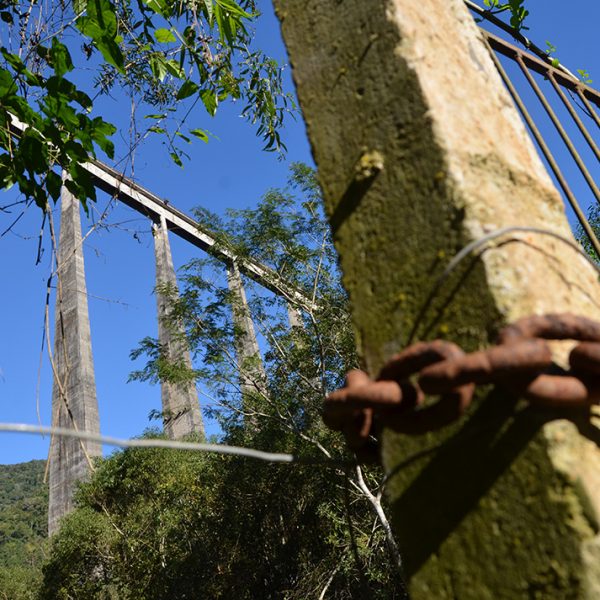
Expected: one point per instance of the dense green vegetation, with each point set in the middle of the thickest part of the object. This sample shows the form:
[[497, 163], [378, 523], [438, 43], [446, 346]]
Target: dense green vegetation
[[158, 524], [23, 528], [155, 524]]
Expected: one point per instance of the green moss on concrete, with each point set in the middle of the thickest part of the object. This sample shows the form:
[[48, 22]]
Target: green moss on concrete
[[486, 515], [396, 225]]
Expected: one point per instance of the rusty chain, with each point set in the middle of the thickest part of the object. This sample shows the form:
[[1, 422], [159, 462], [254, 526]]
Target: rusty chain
[[521, 362]]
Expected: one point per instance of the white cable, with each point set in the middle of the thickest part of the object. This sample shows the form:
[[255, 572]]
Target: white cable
[[150, 443]]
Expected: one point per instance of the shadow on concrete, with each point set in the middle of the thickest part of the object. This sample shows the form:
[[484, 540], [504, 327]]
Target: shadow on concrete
[[471, 461]]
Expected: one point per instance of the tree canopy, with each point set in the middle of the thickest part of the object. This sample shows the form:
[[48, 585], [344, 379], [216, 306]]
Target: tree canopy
[[23, 528], [168, 57]]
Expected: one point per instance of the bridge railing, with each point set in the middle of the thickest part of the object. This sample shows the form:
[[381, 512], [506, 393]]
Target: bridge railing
[[568, 136]]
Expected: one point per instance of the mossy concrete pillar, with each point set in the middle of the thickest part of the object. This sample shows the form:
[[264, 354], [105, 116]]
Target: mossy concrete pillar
[[420, 151]]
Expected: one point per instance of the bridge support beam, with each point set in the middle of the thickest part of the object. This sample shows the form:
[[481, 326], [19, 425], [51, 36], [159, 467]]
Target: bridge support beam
[[420, 151], [253, 379], [74, 404], [180, 406]]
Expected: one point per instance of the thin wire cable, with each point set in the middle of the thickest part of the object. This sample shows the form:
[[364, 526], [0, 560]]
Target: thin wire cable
[[274, 457], [476, 244]]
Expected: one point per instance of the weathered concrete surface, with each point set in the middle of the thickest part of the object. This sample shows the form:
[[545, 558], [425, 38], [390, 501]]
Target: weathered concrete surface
[[180, 406], [74, 404], [253, 380], [420, 151]]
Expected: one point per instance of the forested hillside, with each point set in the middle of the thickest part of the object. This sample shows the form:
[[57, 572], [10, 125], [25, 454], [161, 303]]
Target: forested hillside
[[23, 505]]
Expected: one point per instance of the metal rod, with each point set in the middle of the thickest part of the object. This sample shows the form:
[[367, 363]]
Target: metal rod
[[563, 134], [548, 155], [539, 66], [586, 134], [592, 112], [147, 443]]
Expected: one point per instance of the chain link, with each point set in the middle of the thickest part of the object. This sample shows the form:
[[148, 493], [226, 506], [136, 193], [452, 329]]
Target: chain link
[[521, 362]]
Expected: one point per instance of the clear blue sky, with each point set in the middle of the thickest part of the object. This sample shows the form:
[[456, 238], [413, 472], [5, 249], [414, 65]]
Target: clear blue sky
[[230, 171]]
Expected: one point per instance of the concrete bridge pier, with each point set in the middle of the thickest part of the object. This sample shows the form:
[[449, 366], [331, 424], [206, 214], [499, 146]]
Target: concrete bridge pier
[[74, 404], [180, 406]]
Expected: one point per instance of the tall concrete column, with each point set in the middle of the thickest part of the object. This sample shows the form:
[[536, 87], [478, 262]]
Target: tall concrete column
[[181, 409], [74, 404], [421, 151], [253, 378]]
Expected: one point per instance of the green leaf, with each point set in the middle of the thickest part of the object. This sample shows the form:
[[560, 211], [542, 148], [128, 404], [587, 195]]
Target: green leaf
[[60, 58], [551, 48], [187, 89], [100, 24], [210, 101], [53, 184], [174, 68], [83, 100], [584, 76], [157, 129], [233, 8], [208, 5], [19, 66], [200, 133], [159, 7], [100, 129], [176, 159], [35, 151], [7, 83], [183, 137], [112, 53], [75, 151], [220, 23], [158, 66], [164, 36], [85, 184], [105, 14]]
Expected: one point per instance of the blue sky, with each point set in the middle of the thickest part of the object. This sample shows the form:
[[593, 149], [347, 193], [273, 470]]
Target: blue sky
[[230, 171]]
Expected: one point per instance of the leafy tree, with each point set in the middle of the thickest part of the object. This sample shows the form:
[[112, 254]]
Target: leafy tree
[[581, 235], [181, 525], [23, 523], [166, 56]]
